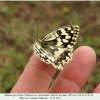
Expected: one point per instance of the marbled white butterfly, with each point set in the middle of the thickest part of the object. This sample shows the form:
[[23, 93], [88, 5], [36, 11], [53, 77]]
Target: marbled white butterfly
[[56, 47]]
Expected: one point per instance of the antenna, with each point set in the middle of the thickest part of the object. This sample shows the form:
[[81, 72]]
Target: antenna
[[32, 35], [37, 29], [37, 33]]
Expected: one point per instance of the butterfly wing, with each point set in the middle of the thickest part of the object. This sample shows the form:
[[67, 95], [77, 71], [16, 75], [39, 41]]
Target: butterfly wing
[[60, 43]]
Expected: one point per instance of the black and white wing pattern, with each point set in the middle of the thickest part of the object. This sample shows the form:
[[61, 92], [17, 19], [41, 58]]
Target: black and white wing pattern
[[56, 47]]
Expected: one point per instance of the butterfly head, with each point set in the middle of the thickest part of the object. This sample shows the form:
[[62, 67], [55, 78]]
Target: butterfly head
[[40, 43]]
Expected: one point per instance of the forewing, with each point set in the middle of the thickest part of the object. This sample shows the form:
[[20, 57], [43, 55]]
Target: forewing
[[62, 39]]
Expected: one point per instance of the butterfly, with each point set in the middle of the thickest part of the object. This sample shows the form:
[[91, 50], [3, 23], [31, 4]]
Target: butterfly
[[56, 47]]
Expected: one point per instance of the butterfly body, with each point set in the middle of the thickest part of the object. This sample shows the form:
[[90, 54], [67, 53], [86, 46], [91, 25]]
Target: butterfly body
[[56, 47]]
